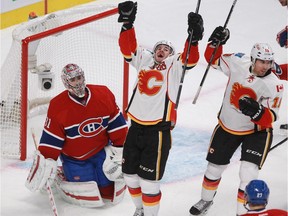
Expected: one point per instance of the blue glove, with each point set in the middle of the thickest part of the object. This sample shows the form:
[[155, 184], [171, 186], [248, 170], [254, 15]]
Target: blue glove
[[282, 37]]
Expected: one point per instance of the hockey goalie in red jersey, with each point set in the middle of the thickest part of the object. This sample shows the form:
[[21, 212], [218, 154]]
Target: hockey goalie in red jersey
[[85, 128], [250, 106], [256, 198], [152, 106]]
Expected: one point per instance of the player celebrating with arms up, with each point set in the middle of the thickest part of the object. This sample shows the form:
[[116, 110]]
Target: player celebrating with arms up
[[85, 127], [152, 107], [250, 105]]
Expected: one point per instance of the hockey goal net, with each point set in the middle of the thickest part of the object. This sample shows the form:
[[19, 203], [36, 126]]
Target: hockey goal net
[[86, 35]]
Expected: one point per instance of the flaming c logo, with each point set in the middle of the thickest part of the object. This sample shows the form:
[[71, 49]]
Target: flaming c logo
[[150, 82], [238, 91]]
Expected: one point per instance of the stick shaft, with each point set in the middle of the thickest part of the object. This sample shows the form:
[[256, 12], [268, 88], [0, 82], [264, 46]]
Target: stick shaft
[[51, 199], [48, 186], [34, 138], [213, 54], [279, 143], [186, 61]]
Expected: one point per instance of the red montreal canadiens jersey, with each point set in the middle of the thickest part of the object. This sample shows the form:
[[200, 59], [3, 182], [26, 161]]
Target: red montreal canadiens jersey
[[80, 131], [271, 212]]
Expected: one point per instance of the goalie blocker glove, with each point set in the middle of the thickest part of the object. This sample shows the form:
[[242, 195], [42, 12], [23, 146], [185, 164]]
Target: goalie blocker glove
[[42, 171], [127, 12], [195, 27], [252, 108], [219, 35]]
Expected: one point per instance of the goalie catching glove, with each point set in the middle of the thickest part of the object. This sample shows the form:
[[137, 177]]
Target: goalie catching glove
[[42, 171], [252, 108], [112, 166]]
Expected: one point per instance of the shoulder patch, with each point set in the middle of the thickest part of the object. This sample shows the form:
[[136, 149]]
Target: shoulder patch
[[239, 55]]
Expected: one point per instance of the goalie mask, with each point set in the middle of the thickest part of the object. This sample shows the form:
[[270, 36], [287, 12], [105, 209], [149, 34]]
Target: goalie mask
[[74, 80]]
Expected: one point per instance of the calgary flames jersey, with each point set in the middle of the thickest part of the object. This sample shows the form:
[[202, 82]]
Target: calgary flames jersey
[[266, 90], [155, 90], [80, 131]]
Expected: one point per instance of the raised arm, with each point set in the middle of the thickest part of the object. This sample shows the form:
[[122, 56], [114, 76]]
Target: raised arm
[[127, 39]]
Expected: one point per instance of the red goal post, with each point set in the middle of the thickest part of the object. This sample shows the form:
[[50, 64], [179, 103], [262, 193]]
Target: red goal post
[[87, 36]]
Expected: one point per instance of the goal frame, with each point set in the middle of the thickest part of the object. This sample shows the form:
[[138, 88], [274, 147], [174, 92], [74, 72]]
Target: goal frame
[[24, 72]]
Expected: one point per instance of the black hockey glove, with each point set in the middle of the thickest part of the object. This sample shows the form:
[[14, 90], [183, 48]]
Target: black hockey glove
[[195, 24], [252, 108], [220, 35], [127, 12]]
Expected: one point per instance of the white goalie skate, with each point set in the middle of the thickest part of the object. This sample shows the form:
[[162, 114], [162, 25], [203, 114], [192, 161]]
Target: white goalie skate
[[139, 212], [201, 207]]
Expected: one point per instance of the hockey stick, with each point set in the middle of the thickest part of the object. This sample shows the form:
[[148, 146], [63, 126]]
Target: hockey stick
[[186, 61], [279, 143], [48, 186], [51, 199], [213, 54], [34, 138]]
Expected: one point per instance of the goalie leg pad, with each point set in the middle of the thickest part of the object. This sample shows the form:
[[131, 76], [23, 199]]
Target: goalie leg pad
[[119, 191], [42, 170], [85, 194]]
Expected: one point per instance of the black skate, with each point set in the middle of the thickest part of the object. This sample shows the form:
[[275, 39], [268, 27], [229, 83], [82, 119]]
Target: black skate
[[139, 212], [200, 208], [284, 126]]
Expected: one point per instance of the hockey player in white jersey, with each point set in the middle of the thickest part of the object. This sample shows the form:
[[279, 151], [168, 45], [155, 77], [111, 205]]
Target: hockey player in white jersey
[[250, 106], [152, 107]]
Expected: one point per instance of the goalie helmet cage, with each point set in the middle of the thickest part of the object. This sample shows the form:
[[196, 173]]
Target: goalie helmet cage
[[87, 36]]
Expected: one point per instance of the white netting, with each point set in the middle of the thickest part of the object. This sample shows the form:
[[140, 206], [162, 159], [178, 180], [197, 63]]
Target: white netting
[[93, 46]]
